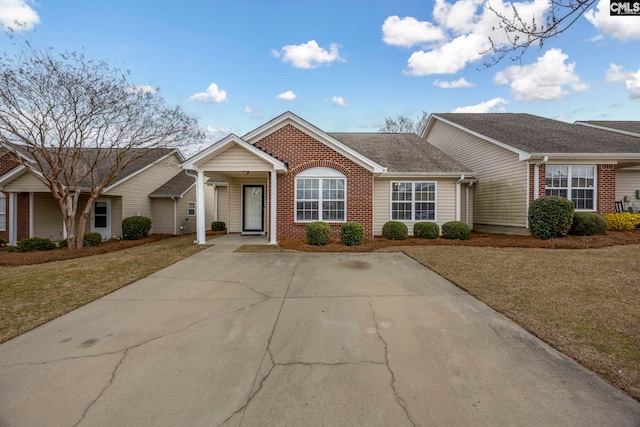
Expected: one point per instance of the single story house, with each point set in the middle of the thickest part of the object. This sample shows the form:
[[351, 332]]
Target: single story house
[[287, 173], [154, 185], [520, 157]]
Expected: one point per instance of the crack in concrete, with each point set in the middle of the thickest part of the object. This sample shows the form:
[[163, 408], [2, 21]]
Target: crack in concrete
[[399, 399]]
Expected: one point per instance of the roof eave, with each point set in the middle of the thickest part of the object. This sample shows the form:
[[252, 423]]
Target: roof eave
[[426, 174]]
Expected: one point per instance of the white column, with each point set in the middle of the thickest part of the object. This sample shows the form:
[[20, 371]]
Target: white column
[[13, 219], [201, 229], [273, 228], [458, 196], [32, 232]]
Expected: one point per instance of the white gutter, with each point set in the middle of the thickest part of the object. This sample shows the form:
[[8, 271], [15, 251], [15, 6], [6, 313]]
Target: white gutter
[[458, 186]]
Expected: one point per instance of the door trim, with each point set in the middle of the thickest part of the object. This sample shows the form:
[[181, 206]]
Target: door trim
[[106, 231], [262, 210]]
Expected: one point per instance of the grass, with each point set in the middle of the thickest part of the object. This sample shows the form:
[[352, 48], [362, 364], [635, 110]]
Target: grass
[[31, 295], [585, 303]]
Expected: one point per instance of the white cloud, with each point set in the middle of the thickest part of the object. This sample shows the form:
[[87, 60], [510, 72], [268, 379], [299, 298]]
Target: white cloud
[[483, 107], [141, 88], [409, 31], [287, 96], [466, 26], [308, 55], [215, 133], [623, 28], [448, 58], [544, 80], [615, 73], [212, 94], [339, 101], [461, 82], [247, 110], [18, 15]]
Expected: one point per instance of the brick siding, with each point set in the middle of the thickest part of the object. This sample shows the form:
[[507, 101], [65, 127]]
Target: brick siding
[[606, 186], [8, 161], [302, 152]]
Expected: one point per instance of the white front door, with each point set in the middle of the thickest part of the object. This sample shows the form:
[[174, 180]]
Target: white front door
[[101, 218], [253, 209]]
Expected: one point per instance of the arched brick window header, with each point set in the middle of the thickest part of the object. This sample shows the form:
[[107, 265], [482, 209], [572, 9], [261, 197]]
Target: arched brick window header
[[320, 164]]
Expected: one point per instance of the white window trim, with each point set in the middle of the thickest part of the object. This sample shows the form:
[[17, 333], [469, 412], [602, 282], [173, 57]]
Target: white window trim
[[189, 208], [319, 173], [413, 201], [569, 187]]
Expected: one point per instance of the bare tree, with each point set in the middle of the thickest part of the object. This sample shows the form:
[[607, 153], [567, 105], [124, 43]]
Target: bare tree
[[403, 124], [523, 31], [76, 123]]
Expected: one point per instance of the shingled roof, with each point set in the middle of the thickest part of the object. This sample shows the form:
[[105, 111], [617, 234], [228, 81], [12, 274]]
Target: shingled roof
[[627, 127], [540, 135], [401, 152], [175, 187]]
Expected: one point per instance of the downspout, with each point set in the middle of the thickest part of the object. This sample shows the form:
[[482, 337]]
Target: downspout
[[175, 215], [458, 192], [466, 200], [536, 183], [201, 238]]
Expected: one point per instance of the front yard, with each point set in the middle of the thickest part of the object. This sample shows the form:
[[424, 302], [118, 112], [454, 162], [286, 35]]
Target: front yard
[[584, 302]]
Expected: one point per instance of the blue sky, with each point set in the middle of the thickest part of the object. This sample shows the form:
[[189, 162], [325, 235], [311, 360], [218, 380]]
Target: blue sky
[[343, 65]]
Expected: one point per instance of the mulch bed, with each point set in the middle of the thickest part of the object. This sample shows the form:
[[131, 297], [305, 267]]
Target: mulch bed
[[613, 238]]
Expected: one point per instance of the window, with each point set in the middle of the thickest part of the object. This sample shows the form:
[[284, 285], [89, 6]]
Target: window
[[413, 201], [576, 183], [191, 208], [320, 195], [3, 212]]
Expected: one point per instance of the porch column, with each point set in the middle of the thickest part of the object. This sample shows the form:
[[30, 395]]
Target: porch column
[[273, 228], [458, 196], [13, 219], [201, 228]]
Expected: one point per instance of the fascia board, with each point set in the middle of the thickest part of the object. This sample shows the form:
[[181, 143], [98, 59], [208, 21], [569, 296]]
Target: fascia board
[[425, 174], [14, 173], [317, 134], [623, 132]]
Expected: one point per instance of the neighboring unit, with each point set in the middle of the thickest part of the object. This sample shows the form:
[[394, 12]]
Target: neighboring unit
[[520, 157], [154, 186]]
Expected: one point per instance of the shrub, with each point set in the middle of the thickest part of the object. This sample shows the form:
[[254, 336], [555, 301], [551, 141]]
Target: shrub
[[318, 233], [395, 230], [426, 230], [588, 224], [3, 243], [550, 216], [35, 244], [136, 227], [91, 239], [456, 230], [63, 243], [622, 221], [351, 234], [218, 226]]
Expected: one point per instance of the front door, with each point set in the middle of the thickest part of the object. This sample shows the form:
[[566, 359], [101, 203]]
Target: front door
[[253, 209], [101, 218]]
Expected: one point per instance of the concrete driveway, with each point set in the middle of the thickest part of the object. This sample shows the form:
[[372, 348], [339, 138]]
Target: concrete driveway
[[295, 339]]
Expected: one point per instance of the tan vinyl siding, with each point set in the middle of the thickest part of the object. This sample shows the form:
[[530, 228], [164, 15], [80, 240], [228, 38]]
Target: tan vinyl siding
[[163, 212], [445, 201], [234, 224], [27, 183], [236, 159], [48, 217], [223, 204], [500, 196], [627, 183], [135, 191]]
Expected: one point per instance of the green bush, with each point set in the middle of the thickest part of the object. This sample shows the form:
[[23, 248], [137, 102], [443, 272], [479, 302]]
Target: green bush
[[136, 227], [35, 244], [63, 243], [91, 239], [3, 243], [550, 217], [456, 230], [395, 230], [351, 234], [588, 224], [426, 230], [318, 233], [218, 226]]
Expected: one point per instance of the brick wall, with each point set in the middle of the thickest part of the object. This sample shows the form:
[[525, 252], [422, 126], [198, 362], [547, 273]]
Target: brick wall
[[7, 162], [606, 189], [302, 152], [606, 183], [541, 182]]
